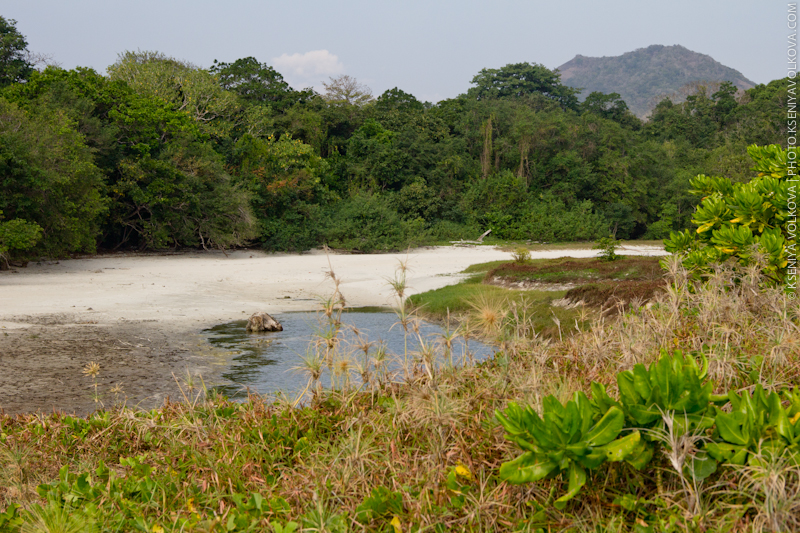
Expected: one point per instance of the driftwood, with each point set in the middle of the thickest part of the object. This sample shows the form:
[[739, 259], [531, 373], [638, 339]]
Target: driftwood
[[259, 322], [479, 241]]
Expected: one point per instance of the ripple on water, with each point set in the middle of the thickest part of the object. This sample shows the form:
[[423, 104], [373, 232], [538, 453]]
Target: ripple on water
[[262, 362]]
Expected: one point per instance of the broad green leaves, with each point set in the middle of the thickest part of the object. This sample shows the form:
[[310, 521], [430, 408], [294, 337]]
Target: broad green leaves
[[734, 220], [672, 385], [672, 396], [756, 424], [564, 438]]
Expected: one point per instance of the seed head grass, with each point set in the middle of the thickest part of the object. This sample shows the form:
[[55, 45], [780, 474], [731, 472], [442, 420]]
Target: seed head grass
[[387, 446]]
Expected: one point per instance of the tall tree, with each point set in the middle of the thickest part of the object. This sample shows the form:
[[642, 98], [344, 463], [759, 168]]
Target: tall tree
[[258, 83], [346, 90], [14, 66], [610, 106], [186, 87], [519, 79]]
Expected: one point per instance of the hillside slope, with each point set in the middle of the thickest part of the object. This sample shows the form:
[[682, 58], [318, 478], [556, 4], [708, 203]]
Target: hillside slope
[[644, 74]]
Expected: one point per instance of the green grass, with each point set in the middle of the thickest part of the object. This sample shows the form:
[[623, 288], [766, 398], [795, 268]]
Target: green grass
[[460, 300], [580, 270], [483, 267], [456, 297], [421, 449], [582, 245], [509, 246]]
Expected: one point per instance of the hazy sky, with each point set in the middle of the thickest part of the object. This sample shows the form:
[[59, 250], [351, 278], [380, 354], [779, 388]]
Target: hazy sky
[[429, 48]]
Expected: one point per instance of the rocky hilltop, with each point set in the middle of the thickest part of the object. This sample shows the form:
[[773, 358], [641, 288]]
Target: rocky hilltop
[[644, 76]]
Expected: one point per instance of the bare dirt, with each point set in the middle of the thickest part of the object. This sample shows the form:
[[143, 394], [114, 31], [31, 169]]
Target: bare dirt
[[141, 363]]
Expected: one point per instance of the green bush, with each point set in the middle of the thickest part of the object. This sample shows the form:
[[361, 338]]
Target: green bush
[[366, 223], [446, 230], [672, 396], [501, 203], [17, 234], [740, 220], [608, 248], [521, 255], [566, 438], [295, 230]]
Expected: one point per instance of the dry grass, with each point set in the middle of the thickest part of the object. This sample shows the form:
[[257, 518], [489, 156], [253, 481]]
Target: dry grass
[[405, 427]]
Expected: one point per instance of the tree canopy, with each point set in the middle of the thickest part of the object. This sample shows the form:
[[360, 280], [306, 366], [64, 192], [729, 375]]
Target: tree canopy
[[14, 65], [163, 153], [520, 79], [258, 83]]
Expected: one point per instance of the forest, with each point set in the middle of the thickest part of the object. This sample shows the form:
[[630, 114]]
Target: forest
[[158, 153]]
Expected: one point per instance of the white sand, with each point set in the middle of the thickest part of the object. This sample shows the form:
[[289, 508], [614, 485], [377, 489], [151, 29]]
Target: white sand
[[202, 289]]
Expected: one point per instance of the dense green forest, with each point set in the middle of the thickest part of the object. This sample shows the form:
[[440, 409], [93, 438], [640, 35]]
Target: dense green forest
[[159, 153]]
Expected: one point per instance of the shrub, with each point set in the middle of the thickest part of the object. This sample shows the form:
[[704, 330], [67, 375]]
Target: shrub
[[366, 223], [17, 234], [446, 230], [608, 248], [521, 255], [740, 221]]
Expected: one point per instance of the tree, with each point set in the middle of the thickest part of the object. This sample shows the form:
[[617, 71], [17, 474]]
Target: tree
[[48, 180], [724, 102], [165, 184], [346, 90], [14, 65], [258, 83], [397, 100], [284, 178], [186, 87], [184, 197], [519, 79], [610, 106]]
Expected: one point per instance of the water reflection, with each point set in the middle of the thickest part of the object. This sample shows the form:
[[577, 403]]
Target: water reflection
[[262, 362]]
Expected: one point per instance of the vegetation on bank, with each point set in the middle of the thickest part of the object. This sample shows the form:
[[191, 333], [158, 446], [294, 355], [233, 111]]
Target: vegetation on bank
[[157, 152], [552, 291], [415, 445], [679, 415], [693, 422]]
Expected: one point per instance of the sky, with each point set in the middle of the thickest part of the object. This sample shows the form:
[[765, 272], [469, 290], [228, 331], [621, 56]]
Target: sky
[[431, 49]]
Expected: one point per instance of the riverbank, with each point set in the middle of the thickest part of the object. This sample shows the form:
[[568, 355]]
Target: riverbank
[[139, 316]]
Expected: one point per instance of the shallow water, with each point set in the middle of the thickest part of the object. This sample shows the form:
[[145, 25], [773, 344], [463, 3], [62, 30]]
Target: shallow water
[[262, 362]]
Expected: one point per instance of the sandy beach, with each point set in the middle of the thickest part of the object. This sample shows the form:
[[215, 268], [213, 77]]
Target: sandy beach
[[140, 316]]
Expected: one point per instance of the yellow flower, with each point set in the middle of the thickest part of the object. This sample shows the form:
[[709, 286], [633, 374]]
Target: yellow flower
[[396, 524], [463, 471]]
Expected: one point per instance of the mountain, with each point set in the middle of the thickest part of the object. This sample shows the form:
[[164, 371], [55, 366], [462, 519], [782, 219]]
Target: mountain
[[646, 75]]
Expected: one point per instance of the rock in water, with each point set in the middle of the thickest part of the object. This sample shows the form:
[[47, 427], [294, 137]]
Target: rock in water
[[262, 322]]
